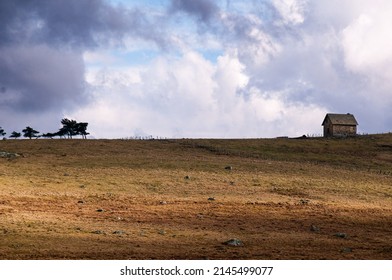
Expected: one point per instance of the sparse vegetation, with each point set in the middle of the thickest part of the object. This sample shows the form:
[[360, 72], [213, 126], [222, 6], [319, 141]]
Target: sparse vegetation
[[29, 132], [70, 128], [2, 132], [283, 198], [15, 134]]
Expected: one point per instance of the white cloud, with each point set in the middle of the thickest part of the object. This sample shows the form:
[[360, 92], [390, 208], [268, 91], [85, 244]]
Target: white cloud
[[367, 46], [291, 11], [189, 96], [367, 42]]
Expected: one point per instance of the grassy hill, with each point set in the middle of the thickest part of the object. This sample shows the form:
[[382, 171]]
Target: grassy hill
[[177, 199]]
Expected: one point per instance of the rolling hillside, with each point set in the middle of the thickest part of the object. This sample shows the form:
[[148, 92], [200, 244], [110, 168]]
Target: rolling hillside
[[183, 199]]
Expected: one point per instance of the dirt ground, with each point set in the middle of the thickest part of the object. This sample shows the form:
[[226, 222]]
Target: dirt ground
[[113, 199]]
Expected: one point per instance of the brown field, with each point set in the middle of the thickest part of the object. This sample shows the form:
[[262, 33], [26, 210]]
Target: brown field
[[128, 199]]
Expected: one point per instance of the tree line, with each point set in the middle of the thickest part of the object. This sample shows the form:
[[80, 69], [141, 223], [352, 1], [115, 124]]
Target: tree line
[[69, 129]]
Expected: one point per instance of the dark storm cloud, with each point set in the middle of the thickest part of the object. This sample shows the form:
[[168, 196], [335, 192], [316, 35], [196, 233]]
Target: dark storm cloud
[[87, 23], [42, 44], [37, 78], [50, 21], [204, 10]]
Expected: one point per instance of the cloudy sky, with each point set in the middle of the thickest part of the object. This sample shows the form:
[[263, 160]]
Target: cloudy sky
[[195, 68]]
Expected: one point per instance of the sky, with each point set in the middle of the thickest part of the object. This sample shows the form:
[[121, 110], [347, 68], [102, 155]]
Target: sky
[[195, 68]]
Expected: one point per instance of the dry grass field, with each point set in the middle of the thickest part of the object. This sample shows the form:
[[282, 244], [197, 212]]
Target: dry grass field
[[177, 199]]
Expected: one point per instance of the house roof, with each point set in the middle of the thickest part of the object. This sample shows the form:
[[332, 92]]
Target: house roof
[[342, 119]]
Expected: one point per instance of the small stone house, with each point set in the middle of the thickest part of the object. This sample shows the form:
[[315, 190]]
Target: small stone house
[[340, 125]]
